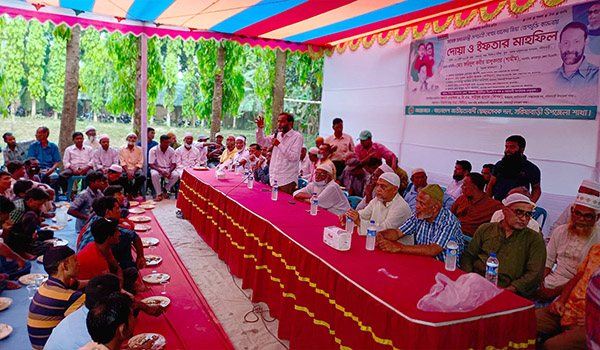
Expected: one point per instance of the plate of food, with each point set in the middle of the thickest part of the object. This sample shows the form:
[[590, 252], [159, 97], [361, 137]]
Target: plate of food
[[133, 203], [156, 278], [142, 227], [57, 242], [137, 210], [150, 201], [65, 205], [152, 260], [140, 218], [30, 278], [148, 206], [149, 241], [157, 300], [54, 228], [5, 330], [142, 341], [6, 302]]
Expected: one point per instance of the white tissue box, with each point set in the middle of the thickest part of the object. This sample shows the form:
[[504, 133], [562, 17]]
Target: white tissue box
[[220, 175], [337, 238]]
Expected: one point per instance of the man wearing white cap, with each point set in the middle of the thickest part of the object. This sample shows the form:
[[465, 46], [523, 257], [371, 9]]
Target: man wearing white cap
[[520, 250], [306, 166], [105, 156], [328, 192], [532, 224], [313, 157], [91, 141], [570, 244], [115, 176], [186, 156], [287, 144], [370, 187], [241, 152], [418, 177], [389, 210], [131, 159], [587, 187], [161, 160]]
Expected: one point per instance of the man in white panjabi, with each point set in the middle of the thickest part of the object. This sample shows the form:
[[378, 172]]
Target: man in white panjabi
[[186, 156]]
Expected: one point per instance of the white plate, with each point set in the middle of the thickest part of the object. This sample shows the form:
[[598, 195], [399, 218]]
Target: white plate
[[141, 218], [148, 206], [149, 241], [6, 302], [53, 228], [133, 203], [142, 227], [137, 342], [148, 202], [68, 219], [30, 278], [157, 300], [57, 242], [137, 210], [156, 278], [5, 330], [153, 260]]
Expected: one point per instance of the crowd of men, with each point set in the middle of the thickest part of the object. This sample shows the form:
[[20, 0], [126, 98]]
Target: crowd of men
[[487, 212]]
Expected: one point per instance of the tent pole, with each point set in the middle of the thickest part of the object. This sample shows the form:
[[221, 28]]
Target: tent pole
[[144, 106]]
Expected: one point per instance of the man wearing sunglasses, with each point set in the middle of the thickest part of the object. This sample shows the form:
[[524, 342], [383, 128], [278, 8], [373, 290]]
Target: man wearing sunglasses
[[520, 250]]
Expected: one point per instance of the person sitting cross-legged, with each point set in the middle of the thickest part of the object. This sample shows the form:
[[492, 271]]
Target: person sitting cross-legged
[[21, 234], [432, 226], [354, 177], [110, 322], [57, 297], [329, 193], [81, 208], [161, 161], [521, 251]]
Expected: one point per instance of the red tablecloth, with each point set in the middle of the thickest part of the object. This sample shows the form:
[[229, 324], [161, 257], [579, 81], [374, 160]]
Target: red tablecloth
[[188, 322], [330, 299]]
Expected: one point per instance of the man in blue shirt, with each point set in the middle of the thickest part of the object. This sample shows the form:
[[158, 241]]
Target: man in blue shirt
[[46, 153], [151, 142]]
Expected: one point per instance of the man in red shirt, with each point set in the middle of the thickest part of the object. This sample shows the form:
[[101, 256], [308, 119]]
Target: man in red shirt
[[97, 258]]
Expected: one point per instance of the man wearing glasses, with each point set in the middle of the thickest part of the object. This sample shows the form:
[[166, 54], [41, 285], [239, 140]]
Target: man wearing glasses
[[520, 250]]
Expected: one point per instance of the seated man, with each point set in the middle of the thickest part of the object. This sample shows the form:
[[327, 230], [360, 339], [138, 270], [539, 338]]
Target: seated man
[[562, 324], [432, 226], [255, 156], [96, 258], [262, 168], [202, 147], [10, 261], [229, 151], [474, 207], [173, 140], [354, 177], [569, 245], [117, 192], [328, 192], [91, 141], [323, 158], [110, 323], [499, 215], [20, 188], [587, 187], [520, 250], [81, 208], [14, 151], [371, 186], [105, 156], [161, 162], [461, 169], [419, 179], [26, 217], [306, 166], [77, 160], [215, 150], [115, 177], [57, 297], [132, 160], [71, 333], [186, 156], [389, 210], [241, 153], [5, 184], [313, 156], [32, 169], [46, 153]]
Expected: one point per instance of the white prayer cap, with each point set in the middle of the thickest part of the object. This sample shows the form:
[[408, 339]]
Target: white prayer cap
[[326, 168], [588, 200], [592, 185], [103, 136], [241, 137], [88, 128], [391, 178], [416, 171], [130, 134], [218, 134], [188, 134], [313, 150], [517, 198], [116, 168], [303, 146], [202, 137], [386, 168]]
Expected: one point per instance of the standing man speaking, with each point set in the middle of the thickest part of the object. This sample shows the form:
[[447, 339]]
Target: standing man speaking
[[287, 144]]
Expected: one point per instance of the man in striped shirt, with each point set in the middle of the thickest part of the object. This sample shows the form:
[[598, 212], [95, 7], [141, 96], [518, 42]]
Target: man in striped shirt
[[56, 298]]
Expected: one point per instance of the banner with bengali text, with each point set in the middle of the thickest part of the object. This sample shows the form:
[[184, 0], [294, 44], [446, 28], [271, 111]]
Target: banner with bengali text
[[543, 65]]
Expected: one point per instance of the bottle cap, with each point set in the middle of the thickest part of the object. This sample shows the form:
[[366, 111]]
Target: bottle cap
[[492, 255], [372, 221], [348, 219]]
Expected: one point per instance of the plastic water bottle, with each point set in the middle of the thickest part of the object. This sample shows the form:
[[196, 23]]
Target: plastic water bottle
[[349, 225], [451, 252], [250, 181], [274, 191], [491, 269], [314, 204], [237, 167], [371, 233], [246, 176]]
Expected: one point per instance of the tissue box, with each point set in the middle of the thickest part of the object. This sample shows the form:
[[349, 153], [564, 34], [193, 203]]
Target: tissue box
[[220, 175], [337, 238]]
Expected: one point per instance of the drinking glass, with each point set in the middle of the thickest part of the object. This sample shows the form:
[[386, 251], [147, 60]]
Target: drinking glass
[[32, 289], [164, 284]]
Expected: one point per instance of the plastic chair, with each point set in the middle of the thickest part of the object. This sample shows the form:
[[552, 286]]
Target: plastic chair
[[345, 193], [354, 200], [70, 184], [540, 212], [302, 183]]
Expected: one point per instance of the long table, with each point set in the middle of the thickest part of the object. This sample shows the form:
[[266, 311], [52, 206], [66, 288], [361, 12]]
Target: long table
[[326, 298]]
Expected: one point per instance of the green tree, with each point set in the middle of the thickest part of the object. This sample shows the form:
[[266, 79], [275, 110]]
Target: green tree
[[13, 56], [156, 76], [94, 72], [122, 52], [55, 75], [191, 80], [35, 58], [173, 47]]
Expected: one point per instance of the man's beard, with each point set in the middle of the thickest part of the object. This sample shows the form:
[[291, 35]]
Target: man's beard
[[457, 177], [511, 165], [580, 230]]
